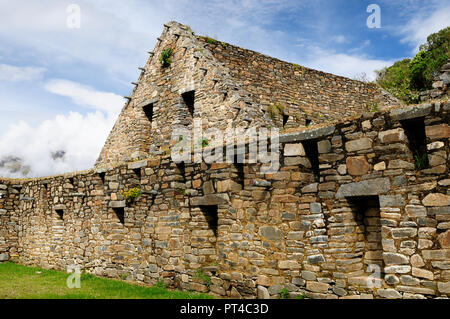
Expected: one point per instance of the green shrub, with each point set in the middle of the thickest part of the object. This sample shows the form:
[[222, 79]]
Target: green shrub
[[199, 274], [407, 78], [204, 142], [210, 40], [283, 294], [166, 57], [421, 161], [275, 110], [131, 194]]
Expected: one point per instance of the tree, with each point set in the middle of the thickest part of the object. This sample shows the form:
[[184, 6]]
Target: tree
[[407, 78]]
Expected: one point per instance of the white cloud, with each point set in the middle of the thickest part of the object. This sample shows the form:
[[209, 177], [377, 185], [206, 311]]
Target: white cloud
[[345, 64], [86, 96], [81, 137], [18, 74], [416, 31]]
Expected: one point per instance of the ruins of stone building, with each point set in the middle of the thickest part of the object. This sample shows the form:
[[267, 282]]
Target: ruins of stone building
[[360, 207]]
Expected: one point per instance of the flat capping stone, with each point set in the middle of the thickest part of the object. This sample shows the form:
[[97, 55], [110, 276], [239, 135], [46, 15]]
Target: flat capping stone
[[411, 112], [187, 89], [59, 207], [117, 204], [369, 187], [210, 200], [27, 199], [138, 164], [147, 102], [77, 194], [311, 134]]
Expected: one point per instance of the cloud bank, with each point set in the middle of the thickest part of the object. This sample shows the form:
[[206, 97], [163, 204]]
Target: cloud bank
[[65, 143]]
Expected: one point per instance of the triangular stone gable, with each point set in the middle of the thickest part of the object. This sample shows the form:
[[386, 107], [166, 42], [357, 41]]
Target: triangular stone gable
[[233, 87]]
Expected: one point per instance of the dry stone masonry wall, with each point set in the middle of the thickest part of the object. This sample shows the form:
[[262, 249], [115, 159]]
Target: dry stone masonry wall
[[226, 86], [371, 209]]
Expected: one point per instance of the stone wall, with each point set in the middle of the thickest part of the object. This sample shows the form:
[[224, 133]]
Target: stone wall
[[306, 93], [9, 223], [233, 88], [440, 86], [316, 230]]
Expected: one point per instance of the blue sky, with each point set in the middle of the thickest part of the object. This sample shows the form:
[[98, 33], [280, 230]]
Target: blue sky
[[55, 81]]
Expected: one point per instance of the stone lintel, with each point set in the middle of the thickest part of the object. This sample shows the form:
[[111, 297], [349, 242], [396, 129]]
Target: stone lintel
[[369, 187], [307, 135], [411, 112], [117, 204], [210, 200]]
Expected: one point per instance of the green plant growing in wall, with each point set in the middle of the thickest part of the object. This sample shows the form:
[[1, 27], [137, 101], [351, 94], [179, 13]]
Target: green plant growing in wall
[[283, 294], [123, 276], [275, 110], [421, 161], [204, 142], [302, 296], [131, 194], [200, 275], [160, 284], [210, 40], [372, 107], [166, 57]]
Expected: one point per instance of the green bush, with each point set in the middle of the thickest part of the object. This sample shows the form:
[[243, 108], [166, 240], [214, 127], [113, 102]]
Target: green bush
[[203, 277], [275, 110], [166, 57], [407, 78], [131, 194], [283, 294]]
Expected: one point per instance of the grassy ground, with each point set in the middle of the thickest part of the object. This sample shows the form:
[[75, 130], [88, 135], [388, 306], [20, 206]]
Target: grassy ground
[[20, 282]]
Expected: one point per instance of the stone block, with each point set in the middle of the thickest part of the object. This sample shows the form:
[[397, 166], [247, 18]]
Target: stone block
[[436, 200], [358, 145], [294, 150], [271, 233], [365, 188], [392, 136], [357, 166], [437, 132]]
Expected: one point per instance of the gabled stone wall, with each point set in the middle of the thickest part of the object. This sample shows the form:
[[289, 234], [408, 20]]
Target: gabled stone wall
[[233, 88], [367, 211]]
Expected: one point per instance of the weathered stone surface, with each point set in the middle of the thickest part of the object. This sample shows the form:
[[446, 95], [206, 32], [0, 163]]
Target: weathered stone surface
[[422, 273], [117, 204], [4, 257], [411, 112], [271, 233], [444, 239], [389, 293], [391, 201], [438, 254], [209, 200], [294, 150], [366, 188], [392, 136], [395, 259], [315, 259], [397, 269], [263, 293], [444, 287], [438, 131], [307, 135], [324, 146], [317, 286], [416, 211], [436, 199], [380, 166], [358, 145], [404, 232], [357, 165]]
